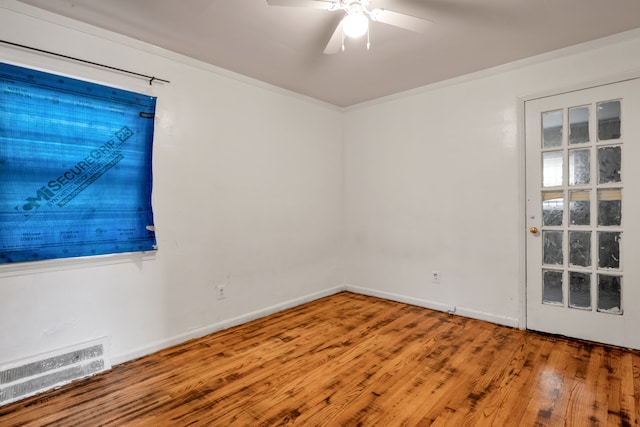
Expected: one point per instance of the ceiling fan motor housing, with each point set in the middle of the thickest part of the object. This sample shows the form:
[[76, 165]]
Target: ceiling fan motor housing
[[355, 6]]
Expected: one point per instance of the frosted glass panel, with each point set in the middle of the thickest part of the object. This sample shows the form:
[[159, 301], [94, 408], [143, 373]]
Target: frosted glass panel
[[580, 248], [552, 167], [552, 129], [552, 208], [609, 207], [552, 247], [609, 120], [609, 164], [609, 294], [580, 290], [578, 125], [580, 207], [609, 249], [552, 287], [579, 167]]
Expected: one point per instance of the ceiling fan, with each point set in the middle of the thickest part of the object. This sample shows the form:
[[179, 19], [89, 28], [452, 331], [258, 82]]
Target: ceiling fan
[[355, 22]]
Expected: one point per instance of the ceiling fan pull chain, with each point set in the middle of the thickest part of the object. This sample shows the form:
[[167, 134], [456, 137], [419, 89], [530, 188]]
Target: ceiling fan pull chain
[[343, 39], [368, 41]]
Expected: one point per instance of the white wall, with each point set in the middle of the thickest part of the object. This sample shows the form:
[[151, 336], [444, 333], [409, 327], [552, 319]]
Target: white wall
[[434, 181], [247, 192]]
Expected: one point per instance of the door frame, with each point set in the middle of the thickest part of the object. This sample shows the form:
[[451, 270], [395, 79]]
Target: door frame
[[522, 167]]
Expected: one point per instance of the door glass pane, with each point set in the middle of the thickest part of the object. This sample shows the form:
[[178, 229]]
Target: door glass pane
[[552, 129], [579, 167], [609, 164], [608, 120], [609, 250], [579, 290], [578, 125], [610, 207], [609, 294], [552, 208], [580, 248], [552, 247], [552, 168], [579, 207], [552, 287]]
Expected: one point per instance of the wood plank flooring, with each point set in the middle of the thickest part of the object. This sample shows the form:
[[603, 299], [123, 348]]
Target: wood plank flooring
[[353, 360]]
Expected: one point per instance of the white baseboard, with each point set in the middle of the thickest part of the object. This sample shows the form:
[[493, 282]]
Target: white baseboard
[[489, 317], [400, 298], [461, 311], [209, 329]]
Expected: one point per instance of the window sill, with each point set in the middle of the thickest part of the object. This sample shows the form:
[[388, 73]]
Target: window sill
[[46, 266]]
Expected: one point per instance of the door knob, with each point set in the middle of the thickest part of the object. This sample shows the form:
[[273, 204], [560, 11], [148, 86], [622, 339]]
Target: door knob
[[533, 230]]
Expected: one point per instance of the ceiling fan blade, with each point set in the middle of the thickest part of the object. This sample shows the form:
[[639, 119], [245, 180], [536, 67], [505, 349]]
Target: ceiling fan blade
[[401, 20], [335, 42], [316, 4]]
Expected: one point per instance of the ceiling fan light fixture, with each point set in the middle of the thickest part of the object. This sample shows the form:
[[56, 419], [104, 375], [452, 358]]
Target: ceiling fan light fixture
[[355, 24]]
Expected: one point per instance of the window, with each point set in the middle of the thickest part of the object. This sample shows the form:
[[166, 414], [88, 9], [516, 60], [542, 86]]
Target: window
[[75, 167]]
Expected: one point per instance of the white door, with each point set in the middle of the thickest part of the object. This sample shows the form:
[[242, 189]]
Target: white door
[[583, 214]]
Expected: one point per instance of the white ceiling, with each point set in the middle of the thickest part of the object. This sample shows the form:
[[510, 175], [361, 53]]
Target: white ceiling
[[284, 45]]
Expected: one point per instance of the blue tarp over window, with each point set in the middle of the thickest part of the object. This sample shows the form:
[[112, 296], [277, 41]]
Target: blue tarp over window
[[75, 167]]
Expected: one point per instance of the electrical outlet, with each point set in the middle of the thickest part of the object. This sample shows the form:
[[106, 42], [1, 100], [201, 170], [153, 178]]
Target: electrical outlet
[[435, 276], [221, 291]]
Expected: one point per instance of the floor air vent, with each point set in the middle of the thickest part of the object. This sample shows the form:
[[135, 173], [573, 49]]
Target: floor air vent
[[28, 377]]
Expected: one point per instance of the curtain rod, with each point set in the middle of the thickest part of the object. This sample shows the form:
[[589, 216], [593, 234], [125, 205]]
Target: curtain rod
[[151, 78]]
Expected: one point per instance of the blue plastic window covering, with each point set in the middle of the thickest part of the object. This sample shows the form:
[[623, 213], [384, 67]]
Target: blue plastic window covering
[[75, 167]]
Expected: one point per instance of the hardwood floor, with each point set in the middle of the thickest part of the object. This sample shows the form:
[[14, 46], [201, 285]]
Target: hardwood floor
[[353, 360]]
